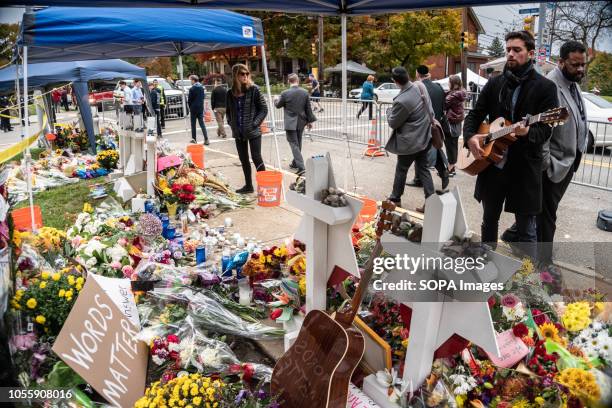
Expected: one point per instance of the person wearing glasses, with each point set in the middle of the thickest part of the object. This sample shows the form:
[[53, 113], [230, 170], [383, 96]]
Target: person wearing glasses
[[246, 109]]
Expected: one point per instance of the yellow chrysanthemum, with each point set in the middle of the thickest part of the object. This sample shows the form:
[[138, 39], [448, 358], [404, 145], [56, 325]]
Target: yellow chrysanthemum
[[56, 276], [78, 287], [71, 280], [61, 293], [80, 280], [522, 403], [42, 285], [31, 303], [40, 319], [45, 275], [302, 285]]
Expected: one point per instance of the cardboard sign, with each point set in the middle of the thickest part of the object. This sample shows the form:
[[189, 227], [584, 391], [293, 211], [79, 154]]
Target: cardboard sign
[[357, 399], [511, 348], [98, 342], [120, 292]]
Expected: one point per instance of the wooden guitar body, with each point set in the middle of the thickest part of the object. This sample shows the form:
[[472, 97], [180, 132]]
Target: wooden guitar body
[[317, 368], [493, 152]]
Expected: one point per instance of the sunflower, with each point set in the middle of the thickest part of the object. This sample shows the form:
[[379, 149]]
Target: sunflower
[[550, 331]]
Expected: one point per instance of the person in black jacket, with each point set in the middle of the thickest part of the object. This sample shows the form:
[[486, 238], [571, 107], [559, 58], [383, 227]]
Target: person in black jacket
[[246, 109], [436, 95], [195, 100], [155, 105], [217, 102], [517, 180]]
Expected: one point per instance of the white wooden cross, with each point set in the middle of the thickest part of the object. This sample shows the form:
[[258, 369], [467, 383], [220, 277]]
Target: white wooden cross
[[325, 230]]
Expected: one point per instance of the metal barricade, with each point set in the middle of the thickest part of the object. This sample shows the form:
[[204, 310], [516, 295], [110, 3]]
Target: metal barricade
[[596, 165], [174, 107]]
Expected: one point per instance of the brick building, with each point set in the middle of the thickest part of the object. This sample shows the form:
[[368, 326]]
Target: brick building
[[441, 66]]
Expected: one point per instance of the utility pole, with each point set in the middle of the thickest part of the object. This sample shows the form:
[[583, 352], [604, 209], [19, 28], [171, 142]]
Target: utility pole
[[464, 29], [540, 49], [321, 49]]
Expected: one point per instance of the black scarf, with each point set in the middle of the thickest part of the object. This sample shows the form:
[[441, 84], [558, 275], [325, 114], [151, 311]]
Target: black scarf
[[511, 81]]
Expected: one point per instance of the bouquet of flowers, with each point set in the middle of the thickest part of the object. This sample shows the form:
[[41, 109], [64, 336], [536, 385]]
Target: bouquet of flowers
[[184, 193], [108, 159]]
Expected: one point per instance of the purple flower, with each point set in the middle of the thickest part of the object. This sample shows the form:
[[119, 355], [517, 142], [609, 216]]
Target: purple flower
[[274, 405], [241, 395], [261, 394], [546, 277], [24, 341]]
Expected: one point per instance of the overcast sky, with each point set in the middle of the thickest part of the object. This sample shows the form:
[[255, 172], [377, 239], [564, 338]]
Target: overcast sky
[[493, 18]]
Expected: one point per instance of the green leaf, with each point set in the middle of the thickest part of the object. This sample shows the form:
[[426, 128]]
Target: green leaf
[[62, 376]]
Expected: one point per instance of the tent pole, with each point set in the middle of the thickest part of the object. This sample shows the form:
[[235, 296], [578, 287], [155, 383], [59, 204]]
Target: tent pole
[[344, 92], [27, 155], [272, 112], [180, 63]]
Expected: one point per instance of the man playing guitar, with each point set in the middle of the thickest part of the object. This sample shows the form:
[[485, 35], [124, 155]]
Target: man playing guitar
[[517, 179]]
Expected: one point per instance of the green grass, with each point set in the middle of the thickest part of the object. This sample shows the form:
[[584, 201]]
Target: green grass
[[607, 98], [61, 205]]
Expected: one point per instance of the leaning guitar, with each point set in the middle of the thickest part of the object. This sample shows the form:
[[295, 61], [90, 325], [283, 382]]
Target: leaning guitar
[[316, 371], [499, 138]]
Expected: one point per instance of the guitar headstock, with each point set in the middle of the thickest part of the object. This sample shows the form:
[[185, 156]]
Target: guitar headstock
[[554, 117], [385, 217]]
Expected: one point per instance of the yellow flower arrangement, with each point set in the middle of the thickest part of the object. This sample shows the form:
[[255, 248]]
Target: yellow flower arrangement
[[185, 391], [581, 383], [108, 159], [49, 239], [577, 316]]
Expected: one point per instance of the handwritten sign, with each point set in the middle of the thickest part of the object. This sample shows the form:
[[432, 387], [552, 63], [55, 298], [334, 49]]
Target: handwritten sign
[[168, 161], [357, 399], [98, 342], [511, 348]]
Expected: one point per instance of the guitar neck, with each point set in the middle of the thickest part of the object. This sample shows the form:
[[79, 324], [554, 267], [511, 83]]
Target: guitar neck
[[364, 282], [509, 129]]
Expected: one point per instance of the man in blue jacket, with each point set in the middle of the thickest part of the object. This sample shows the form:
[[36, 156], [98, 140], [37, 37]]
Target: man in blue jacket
[[195, 101]]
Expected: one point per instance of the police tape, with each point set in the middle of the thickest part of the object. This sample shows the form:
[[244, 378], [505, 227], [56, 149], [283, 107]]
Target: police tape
[[19, 147]]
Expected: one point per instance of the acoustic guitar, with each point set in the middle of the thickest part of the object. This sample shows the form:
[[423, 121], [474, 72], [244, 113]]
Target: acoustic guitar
[[499, 138], [316, 371]]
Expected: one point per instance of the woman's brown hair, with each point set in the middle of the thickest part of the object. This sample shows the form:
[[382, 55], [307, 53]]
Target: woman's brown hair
[[455, 82], [237, 87]]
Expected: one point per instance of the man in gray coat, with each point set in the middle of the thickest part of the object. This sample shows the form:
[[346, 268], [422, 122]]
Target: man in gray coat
[[411, 136], [564, 149], [298, 114]]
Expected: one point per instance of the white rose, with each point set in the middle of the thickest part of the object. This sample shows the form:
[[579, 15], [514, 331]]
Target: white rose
[[117, 253], [91, 262], [93, 245]]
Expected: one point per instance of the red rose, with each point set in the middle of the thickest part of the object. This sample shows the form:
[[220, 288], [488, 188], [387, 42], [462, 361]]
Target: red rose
[[172, 338], [275, 314], [539, 317], [491, 301], [520, 330], [188, 188]]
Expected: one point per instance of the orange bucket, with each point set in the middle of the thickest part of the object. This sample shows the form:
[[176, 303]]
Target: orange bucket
[[22, 219], [269, 186], [196, 151], [368, 211]]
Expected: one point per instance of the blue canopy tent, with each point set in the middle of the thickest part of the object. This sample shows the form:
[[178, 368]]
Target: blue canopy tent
[[77, 72]]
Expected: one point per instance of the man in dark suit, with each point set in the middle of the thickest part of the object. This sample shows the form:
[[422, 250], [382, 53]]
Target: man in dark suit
[[195, 100], [436, 95], [298, 114], [516, 181]]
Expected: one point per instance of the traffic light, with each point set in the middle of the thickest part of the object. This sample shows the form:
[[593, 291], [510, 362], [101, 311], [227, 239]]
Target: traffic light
[[313, 48], [464, 38], [529, 24]]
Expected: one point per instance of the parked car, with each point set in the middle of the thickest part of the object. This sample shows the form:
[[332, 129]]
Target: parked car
[[384, 92], [183, 83], [174, 105], [100, 93], [599, 115]]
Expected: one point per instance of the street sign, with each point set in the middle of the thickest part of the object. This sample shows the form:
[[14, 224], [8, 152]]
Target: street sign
[[529, 11]]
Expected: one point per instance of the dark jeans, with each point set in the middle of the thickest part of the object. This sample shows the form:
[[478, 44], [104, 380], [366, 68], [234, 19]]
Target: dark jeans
[[294, 137], [441, 164], [158, 116], [242, 146], [493, 204], [199, 116], [452, 143], [365, 105], [547, 219], [162, 111], [401, 171]]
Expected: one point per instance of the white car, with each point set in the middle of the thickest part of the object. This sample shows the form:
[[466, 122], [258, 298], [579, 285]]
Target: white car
[[183, 83], [599, 115], [384, 92], [174, 105]]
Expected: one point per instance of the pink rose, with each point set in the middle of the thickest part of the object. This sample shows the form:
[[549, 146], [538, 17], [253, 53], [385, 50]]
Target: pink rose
[[127, 271], [546, 277], [115, 265], [510, 300]]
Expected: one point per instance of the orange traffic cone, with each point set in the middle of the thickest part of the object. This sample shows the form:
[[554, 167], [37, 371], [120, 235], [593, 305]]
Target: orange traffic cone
[[374, 149], [264, 127]]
